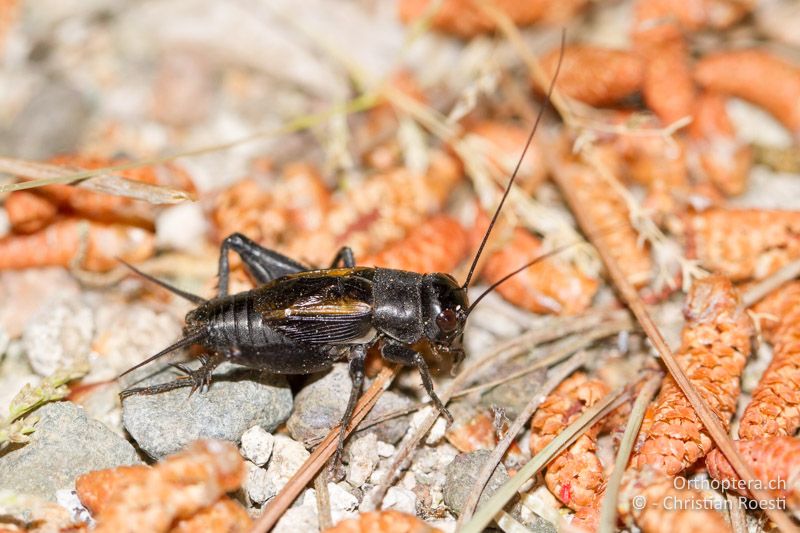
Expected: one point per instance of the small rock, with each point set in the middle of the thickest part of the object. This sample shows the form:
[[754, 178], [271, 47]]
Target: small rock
[[239, 398], [385, 449], [515, 394], [437, 431], [101, 402], [182, 227], [30, 290], [58, 336], [127, 333], [15, 373], [460, 479], [287, 457], [400, 499], [343, 504], [68, 499], [256, 484], [320, 405], [363, 458], [5, 340], [52, 122], [257, 445], [301, 517], [66, 444]]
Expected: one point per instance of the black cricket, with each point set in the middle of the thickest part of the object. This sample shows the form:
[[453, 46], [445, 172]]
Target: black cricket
[[300, 320]]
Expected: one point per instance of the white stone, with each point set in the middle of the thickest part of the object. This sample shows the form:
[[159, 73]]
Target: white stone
[[256, 484], [287, 457], [400, 499], [363, 459], [182, 227], [257, 445], [301, 517], [437, 432], [58, 336], [343, 504], [385, 449]]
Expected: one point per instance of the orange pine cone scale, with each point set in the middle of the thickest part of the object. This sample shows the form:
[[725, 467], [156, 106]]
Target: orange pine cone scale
[[714, 349], [576, 475], [549, 286]]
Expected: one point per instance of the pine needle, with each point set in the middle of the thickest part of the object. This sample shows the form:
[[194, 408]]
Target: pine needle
[[637, 306], [557, 375], [277, 506], [304, 122], [509, 489], [608, 511], [758, 291]]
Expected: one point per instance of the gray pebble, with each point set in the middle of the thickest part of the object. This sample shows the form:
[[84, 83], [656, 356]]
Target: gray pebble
[[514, 395], [51, 123], [238, 399], [321, 405], [460, 479], [66, 444]]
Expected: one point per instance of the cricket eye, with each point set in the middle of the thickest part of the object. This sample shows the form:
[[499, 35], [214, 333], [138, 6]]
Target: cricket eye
[[447, 321]]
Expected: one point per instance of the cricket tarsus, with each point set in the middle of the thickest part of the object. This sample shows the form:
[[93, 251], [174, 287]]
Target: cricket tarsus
[[298, 320]]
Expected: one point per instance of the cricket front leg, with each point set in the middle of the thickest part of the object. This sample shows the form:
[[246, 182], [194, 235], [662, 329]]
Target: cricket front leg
[[199, 378], [399, 353]]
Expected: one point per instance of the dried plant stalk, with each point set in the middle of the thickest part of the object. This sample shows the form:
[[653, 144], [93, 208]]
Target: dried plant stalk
[[757, 76], [177, 488], [604, 208], [775, 461], [71, 242], [463, 18], [743, 243], [549, 286], [666, 508], [714, 349], [724, 159], [15, 427], [576, 475], [594, 75], [438, 245], [775, 405]]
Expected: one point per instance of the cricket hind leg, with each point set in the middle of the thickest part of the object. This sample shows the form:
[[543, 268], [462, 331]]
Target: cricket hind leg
[[398, 353], [344, 258], [199, 378], [356, 365], [264, 264]]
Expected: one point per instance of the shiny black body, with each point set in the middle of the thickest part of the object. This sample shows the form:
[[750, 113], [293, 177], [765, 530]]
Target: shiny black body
[[299, 321]]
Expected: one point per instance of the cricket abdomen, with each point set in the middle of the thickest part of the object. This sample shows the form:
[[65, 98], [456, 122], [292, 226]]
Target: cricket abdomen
[[238, 330]]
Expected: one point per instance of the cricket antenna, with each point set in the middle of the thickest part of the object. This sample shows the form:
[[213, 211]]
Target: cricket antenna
[[182, 343], [513, 273], [175, 290], [519, 162]]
